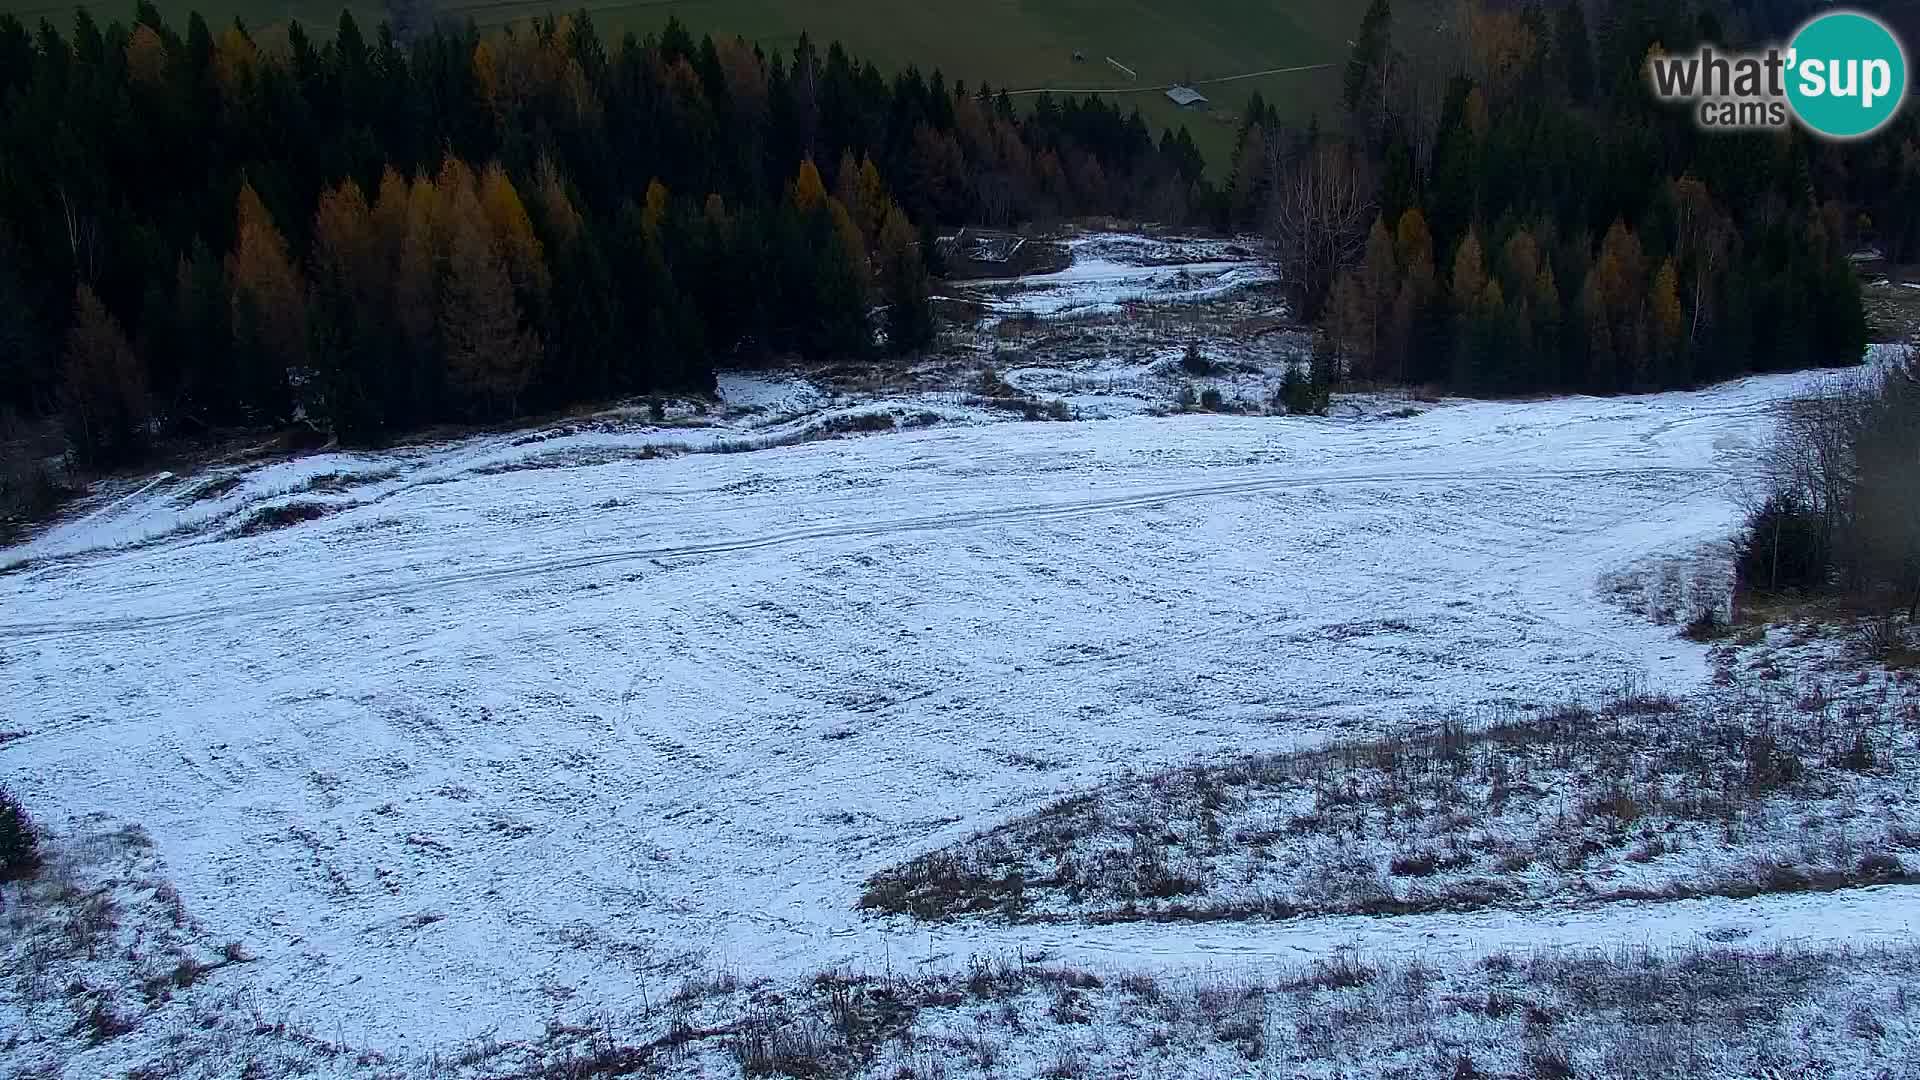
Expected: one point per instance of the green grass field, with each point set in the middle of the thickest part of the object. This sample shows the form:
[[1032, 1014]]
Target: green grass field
[[1011, 43]]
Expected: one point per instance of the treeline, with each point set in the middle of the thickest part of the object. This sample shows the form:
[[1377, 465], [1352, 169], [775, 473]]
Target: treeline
[[199, 230], [1841, 508], [1511, 211]]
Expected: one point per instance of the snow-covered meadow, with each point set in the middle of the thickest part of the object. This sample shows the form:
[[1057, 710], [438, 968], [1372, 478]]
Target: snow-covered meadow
[[526, 730]]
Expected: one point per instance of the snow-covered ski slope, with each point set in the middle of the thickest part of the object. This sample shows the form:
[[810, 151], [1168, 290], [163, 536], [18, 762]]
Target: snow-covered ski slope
[[470, 754]]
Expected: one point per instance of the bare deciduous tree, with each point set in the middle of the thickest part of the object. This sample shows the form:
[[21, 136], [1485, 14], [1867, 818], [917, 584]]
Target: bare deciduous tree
[[1706, 237], [1318, 219], [1845, 466]]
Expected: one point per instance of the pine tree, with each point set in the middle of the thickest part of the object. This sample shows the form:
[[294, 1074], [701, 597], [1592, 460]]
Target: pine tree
[[1477, 306], [1669, 325], [1250, 177], [851, 242], [1379, 286], [584, 325], [1345, 332], [1414, 340], [835, 323], [236, 61], [19, 840], [1603, 363], [575, 127], [1546, 332], [1528, 340], [207, 393], [1573, 50], [904, 281], [1370, 53], [104, 392]]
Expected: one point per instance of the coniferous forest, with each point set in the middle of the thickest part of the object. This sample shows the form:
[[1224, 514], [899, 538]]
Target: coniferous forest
[[369, 231], [197, 233], [1526, 217]]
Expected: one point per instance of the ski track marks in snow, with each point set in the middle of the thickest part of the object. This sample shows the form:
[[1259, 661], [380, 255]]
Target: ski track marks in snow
[[517, 746], [274, 600]]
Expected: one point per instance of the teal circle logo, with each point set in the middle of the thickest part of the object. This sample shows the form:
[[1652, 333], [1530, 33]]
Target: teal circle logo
[[1846, 75]]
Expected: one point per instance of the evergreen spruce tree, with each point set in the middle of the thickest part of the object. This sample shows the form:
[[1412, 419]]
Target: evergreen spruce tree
[[104, 395], [904, 281], [19, 841], [1370, 49]]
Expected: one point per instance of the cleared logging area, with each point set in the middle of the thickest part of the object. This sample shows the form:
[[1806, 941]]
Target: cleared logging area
[[1761, 785]]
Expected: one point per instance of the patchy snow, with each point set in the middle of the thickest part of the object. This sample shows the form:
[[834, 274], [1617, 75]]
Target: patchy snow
[[1792, 770], [754, 413], [1111, 270], [771, 395], [528, 727]]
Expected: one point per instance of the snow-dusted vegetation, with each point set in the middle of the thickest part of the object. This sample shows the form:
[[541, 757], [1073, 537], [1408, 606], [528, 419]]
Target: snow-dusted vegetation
[[106, 966], [547, 545], [1706, 1010], [485, 763], [1747, 787], [852, 725]]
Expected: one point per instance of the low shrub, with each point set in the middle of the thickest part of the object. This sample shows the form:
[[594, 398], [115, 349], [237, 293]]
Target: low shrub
[[1784, 548], [857, 423], [1706, 626], [19, 841], [32, 482], [284, 516], [1196, 363], [993, 386]]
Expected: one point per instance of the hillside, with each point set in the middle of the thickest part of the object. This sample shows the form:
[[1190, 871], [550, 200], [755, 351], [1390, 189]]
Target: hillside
[[1017, 44], [528, 727]]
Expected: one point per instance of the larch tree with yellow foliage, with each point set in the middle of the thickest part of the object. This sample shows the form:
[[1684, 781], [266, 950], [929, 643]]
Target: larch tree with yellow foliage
[[1478, 304], [490, 355], [1669, 323], [489, 350], [808, 192], [1614, 305], [349, 285], [513, 235], [403, 221], [846, 188], [269, 310], [563, 222]]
